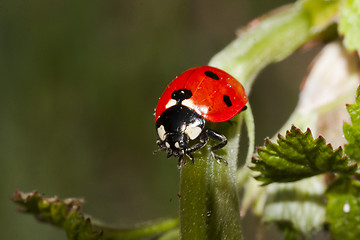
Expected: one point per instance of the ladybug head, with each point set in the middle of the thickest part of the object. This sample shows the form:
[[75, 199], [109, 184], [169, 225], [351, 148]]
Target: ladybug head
[[175, 144]]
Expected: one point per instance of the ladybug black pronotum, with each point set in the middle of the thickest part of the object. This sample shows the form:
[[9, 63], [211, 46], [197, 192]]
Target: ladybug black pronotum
[[198, 95]]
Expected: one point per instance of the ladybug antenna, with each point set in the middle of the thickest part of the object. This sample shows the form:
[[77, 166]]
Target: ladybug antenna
[[158, 150]]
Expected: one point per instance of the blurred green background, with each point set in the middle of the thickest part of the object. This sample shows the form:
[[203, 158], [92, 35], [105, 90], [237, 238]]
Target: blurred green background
[[79, 83]]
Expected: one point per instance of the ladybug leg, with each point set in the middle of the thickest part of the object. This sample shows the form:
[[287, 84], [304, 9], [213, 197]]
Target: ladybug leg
[[161, 149], [203, 141], [218, 158], [216, 137], [191, 157], [220, 138], [180, 162]]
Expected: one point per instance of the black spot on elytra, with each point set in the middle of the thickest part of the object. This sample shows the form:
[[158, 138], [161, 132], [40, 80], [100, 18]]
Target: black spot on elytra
[[227, 100], [181, 94], [212, 75]]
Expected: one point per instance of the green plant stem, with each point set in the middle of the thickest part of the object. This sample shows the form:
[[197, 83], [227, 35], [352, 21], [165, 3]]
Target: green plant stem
[[138, 232], [209, 205], [243, 173], [273, 37]]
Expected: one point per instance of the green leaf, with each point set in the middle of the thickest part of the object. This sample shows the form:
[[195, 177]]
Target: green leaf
[[65, 213], [342, 211], [349, 24], [297, 156], [352, 132], [171, 235], [289, 232], [299, 206]]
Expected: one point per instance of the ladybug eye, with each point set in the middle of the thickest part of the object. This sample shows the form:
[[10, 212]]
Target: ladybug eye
[[227, 100], [212, 75]]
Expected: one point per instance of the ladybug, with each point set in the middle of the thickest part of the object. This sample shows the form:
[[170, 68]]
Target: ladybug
[[198, 95]]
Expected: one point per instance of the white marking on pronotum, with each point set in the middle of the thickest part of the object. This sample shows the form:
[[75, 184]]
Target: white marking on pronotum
[[172, 102], [177, 145], [167, 144], [192, 132], [161, 132]]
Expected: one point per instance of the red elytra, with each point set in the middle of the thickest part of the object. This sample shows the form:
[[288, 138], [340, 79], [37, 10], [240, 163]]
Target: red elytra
[[216, 95]]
